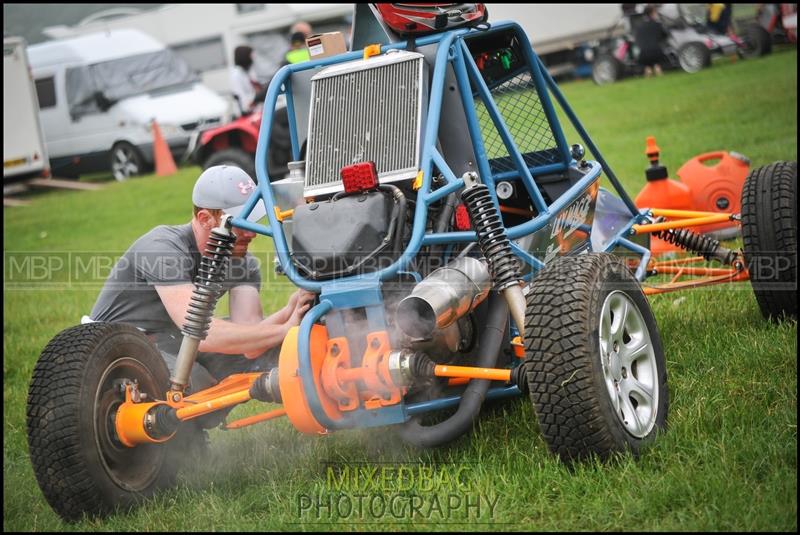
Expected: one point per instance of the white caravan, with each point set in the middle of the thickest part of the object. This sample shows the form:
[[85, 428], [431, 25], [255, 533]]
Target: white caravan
[[24, 154]]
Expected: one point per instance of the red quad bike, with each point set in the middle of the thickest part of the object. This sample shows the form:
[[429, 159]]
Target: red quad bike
[[774, 24], [461, 250], [235, 144]]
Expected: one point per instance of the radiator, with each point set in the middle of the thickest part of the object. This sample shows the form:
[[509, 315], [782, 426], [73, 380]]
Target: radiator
[[366, 110]]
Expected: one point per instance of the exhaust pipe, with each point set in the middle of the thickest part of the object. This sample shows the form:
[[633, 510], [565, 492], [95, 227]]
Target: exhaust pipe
[[444, 296]]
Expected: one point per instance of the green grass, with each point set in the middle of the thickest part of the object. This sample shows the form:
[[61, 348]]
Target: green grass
[[728, 461]]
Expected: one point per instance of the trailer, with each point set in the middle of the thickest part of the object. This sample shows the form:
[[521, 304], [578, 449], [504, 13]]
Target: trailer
[[24, 152]]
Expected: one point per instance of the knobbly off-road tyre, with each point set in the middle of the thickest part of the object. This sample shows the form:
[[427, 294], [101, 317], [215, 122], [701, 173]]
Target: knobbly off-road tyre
[[578, 343], [79, 465], [769, 232]]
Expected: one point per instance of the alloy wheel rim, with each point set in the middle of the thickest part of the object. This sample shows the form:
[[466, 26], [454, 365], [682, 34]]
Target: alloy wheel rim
[[124, 163], [691, 60], [629, 364]]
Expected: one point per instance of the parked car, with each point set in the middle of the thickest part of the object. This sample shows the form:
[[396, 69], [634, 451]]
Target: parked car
[[99, 94], [690, 45]]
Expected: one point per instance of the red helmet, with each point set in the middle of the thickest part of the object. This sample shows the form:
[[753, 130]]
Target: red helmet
[[427, 18]]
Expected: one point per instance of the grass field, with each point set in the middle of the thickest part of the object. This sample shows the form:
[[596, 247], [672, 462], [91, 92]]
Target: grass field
[[728, 461]]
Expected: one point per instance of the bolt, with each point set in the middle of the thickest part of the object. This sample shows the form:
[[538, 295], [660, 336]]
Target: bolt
[[375, 344], [624, 373], [335, 350], [176, 397], [616, 347]]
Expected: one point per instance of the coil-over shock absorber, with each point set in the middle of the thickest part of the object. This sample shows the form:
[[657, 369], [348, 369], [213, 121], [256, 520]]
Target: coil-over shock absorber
[[495, 246], [709, 248], [208, 288]]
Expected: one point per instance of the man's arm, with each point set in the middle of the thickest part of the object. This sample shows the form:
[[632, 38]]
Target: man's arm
[[225, 336], [245, 305]]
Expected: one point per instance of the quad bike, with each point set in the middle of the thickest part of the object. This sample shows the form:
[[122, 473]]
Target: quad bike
[[461, 249], [235, 144], [773, 24]]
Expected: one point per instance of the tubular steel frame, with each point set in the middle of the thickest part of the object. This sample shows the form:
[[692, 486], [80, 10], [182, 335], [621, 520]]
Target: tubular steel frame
[[364, 290]]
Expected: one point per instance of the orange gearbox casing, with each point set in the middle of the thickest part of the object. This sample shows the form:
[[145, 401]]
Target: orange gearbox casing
[[291, 385], [662, 192], [716, 180]]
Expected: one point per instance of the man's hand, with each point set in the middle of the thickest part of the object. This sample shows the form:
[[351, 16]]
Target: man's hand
[[302, 303], [299, 296]]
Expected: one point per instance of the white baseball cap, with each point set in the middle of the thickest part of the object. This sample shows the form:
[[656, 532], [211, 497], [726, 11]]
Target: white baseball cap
[[226, 188]]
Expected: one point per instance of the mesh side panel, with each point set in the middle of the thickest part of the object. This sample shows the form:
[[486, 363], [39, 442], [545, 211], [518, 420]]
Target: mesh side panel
[[522, 111]]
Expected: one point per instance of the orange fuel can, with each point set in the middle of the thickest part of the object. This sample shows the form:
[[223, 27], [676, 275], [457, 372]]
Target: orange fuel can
[[715, 180]]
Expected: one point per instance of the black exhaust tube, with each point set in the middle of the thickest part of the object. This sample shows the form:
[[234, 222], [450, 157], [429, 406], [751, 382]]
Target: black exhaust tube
[[472, 398]]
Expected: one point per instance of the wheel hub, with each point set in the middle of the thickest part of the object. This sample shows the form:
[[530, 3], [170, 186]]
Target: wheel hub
[[132, 469]]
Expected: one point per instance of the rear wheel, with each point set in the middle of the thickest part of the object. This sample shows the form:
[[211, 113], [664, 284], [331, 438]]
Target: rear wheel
[[694, 57], [77, 386], [126, 161], [758, 41], [769, 232], [594, 363]]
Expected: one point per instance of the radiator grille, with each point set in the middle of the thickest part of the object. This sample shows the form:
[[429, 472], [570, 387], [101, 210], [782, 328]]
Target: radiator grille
[[371, 111]]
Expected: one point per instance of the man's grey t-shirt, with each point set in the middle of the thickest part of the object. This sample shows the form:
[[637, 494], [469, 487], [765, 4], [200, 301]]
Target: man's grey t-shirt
[[167, 255]]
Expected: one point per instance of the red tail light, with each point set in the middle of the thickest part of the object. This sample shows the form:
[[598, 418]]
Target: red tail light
[[359, 177]]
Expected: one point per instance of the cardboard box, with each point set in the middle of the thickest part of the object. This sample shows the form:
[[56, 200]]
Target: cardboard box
[[323, 45]]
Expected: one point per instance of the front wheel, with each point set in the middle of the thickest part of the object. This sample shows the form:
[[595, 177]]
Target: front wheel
[[594, 362], [78, 383]]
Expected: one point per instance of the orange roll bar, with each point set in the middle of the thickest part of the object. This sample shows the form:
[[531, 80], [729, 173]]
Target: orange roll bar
[[493, 374]]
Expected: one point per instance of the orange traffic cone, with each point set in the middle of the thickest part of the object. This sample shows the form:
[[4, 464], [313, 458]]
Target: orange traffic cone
[[165, 165]]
